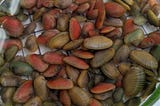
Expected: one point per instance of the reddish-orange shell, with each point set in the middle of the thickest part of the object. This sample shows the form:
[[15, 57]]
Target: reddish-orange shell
[[114, 9], [74, 29], [65, 98], [60, 83], [36, 62], [51, 71], [53, 58], [102, 87], [76, 62], [48, 21], [24, 92]]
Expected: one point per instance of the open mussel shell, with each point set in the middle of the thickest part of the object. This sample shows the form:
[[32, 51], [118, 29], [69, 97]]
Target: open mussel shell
[[133, 81]]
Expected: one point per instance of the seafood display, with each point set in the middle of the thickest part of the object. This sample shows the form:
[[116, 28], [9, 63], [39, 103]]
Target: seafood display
[[79, 52]]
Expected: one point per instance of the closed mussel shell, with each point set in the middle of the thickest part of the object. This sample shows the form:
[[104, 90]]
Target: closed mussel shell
[[103, 96], [153, 19], [135, 37], [21, 68], [7, 94], [97, 43], [24, 92], [62, 22], [35, 100], [101, 57], [122, 54], [40, 87], [10, 53], [124, 67], [110, 70], [118, 94], [144, 58], [59, 40], [79, 97], [31, 43], [73, 44]]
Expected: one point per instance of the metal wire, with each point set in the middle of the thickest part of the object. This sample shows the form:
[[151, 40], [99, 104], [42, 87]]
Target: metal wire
[[1, 2]]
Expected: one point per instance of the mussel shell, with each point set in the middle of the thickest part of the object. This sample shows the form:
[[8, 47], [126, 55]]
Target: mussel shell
[[110, 70], [144, 58], [122, 54], [118, 94], [133, 81], [101, 57]]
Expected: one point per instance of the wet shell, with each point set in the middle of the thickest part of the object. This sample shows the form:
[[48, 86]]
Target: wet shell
[[118, 94], [73, 44], [76, 62], [36, 101], [60, 83], [36, 62], [122, 54], [153, 19], [133, 81], [10, 53], [7, 94], [31, 43], [79, 97], [13, 27], [51, 71], [102, 57], [155, 52], [62, 22], [48, 21], [9, 81], [94, 102], [83, 54], [103, 96], [53, 58], [114, 9], [74, 29], [134, 37], [40, 87], [83, 79], [97, 43], [144, 58], [101, 13], [24, 92], [62, 3], [102, 87], [72, 73], [21, 68], [65, 98], [59, 40], [30, 28], [110, 70]]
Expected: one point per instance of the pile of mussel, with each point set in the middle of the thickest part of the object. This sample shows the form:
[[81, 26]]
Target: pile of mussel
[[78, 52]]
